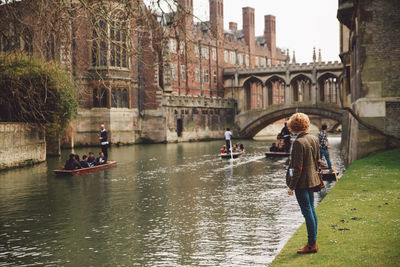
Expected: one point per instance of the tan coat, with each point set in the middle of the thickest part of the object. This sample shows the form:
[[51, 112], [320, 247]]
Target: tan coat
[[305, 174]]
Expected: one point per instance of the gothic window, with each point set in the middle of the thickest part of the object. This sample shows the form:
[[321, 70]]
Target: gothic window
[[205, 76], [240, 58], [233, 57], [247, 61], [226, 56], [113, 98], [214, 54], [205, 52], [125, 102], [257, 62], [172, 45], [196, 50], [100, 98], [99, 46], [118, 53], [183, 72], [197, 75], [215, 77], [173, 72]]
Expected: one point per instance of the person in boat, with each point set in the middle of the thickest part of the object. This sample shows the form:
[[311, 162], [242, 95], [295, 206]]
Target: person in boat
[[104, 141], [84, 162], [281, 146], [91, 159], [223, 150], [242, 147], [285, 135], [238, 148], [101, 159], [72, 163], [228, 138], [78, 158], [303, 175], [274, 148], [324, 146]]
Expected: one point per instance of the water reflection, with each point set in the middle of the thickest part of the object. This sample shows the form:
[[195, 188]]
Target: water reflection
[[163, 205]]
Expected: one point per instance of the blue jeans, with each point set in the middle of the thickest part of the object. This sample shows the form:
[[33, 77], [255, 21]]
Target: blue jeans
[[325, 153], [305, 198]]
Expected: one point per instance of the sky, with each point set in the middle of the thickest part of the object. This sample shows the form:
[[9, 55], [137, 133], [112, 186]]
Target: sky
[[300, 24]]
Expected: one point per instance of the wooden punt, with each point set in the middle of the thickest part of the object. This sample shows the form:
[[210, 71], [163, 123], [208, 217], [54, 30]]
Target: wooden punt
[[228, 155], [276, 154], [328, 176], [61, 172]]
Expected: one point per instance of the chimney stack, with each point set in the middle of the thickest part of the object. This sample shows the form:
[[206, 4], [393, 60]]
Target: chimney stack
[[270, 35], [248, 27]]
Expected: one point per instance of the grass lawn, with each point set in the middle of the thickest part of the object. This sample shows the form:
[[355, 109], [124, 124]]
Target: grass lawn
[[358, 221]]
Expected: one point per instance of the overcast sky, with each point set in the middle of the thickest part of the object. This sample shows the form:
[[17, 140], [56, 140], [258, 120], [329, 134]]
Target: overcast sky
[[300, 24]]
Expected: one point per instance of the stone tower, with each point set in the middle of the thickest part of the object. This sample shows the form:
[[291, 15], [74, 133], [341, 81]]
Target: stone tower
[[270, 34], [248, 27], [185, 14], [217, 17]]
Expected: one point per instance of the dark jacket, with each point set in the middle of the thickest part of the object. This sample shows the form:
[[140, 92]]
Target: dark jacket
[[304, 158], [85, 164], [100, 160], [104, 138], [72, 164]]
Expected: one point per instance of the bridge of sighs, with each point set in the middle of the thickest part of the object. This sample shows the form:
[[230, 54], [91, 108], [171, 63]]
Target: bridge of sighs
[[265, 95]]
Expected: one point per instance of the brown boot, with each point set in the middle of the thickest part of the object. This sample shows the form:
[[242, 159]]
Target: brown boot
[[308, 249]]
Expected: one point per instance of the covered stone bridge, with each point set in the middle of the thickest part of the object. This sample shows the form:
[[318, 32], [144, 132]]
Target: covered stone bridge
[[265, 95]]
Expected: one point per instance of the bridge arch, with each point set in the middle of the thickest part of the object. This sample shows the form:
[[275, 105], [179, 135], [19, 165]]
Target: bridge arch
[[253, 88], [253, 123], [301, 88], [243, 81], [328, 84]]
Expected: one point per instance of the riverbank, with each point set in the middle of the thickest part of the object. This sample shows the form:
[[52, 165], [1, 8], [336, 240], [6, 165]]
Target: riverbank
[[358, 221]]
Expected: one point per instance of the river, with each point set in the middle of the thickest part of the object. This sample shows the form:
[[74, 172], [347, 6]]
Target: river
[[163, 205]]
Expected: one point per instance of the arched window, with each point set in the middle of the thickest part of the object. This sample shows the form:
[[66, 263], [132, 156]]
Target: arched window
[[119, 98], [113, 98], [100, 98], [99, 45], [125, 102]]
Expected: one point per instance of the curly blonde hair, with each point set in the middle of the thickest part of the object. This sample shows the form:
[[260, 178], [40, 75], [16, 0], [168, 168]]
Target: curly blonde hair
[[299, 122]]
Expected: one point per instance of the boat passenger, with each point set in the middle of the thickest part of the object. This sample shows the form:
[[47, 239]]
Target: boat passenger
[[101, 159], [84, 162], [71, 163], [77, 158], [241, 147], [274, 148], [91, 159], [281, 147], [285, 134], [223, 150]]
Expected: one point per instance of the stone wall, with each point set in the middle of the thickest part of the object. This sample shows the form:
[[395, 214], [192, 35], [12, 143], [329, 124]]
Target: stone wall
[[121, 123], [20, 145], [199, 118], [370, 50]]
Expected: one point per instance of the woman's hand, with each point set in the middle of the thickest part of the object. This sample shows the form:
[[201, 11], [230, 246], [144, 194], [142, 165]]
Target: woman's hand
[[290, 192]]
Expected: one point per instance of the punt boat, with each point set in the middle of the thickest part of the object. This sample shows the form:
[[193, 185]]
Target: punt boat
[[276, 154], [328, 176], [61, 171], [228, 155]]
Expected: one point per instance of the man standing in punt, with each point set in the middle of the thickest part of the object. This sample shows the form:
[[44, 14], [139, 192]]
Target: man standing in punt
[[104, 141]]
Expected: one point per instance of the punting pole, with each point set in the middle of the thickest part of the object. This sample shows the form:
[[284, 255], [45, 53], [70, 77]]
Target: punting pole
[[333, 163], [230, 143]]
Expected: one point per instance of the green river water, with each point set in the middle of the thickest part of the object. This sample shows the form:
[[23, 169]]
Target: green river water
[[163, 205]]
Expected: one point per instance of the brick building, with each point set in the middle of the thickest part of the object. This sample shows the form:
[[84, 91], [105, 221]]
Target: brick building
[[142, 78], [198, 53]]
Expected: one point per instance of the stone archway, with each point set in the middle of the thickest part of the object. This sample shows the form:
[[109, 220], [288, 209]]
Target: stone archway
[[301, 89], [253, 88], [328, 85], [276, 90], [256, 122]]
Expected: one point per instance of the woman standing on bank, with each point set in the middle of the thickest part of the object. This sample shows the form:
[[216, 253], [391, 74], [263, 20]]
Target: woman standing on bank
[[303, 175]]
